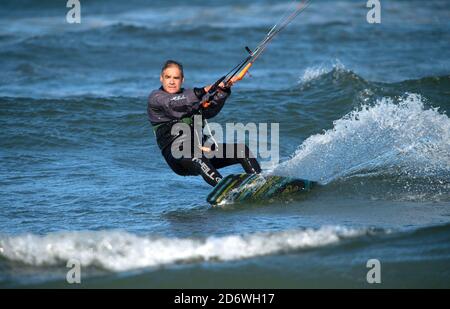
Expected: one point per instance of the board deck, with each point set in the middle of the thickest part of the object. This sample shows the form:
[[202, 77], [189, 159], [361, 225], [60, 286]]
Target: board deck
[[252, 187]]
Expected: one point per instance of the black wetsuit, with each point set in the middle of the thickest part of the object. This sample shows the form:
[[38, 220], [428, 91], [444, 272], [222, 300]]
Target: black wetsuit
[[165, 110]]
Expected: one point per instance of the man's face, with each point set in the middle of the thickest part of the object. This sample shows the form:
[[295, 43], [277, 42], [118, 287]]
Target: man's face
[[171, 79]]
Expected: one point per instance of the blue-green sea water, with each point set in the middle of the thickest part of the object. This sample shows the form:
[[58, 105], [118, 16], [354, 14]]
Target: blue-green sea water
[[362, 108]]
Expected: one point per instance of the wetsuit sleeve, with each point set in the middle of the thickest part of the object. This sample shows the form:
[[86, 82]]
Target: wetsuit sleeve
[[199, 92], [216, 104], [177, 106]]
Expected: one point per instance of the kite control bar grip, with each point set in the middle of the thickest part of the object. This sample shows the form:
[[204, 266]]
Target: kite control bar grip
[[211, 92], [216, 85]]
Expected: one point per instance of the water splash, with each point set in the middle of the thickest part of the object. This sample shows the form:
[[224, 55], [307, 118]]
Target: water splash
[[396, 137], [315, 72]]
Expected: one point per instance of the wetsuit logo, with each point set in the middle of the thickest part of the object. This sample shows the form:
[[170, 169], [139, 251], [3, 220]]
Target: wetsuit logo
[[178, 98], [206, 169]]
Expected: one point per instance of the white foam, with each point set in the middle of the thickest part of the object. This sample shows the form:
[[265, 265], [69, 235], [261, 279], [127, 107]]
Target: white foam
[[120, 251], [315, 72], [402, 137]]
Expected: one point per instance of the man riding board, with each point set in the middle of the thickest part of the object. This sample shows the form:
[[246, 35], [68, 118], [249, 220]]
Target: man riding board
[[170, 105]]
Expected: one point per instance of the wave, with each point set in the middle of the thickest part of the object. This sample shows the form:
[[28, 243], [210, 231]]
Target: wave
[[73, 122], [121, 251], [430, 81], [151, 17], [319, 71], [335, 74], [327, 83], [394, 136]]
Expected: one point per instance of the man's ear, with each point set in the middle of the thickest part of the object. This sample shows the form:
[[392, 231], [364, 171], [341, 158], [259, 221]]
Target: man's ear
[[182, 81], [161, 79]]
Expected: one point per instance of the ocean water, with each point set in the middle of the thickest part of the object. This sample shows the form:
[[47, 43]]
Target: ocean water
[[362, 109]]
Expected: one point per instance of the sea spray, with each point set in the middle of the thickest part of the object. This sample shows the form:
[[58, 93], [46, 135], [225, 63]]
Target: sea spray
[[403, 137]]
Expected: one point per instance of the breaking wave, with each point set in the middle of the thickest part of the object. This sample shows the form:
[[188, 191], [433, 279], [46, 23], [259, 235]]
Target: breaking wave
[[315, 72], [121, 251]]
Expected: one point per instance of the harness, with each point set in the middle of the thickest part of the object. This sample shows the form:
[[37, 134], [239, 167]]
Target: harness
[[168, 126]]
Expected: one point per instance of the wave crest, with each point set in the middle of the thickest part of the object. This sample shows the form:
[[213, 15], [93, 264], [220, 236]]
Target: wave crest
[[120, 251], [315, 72]]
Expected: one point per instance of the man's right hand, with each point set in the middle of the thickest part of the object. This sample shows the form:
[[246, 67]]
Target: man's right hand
[[222, 84]]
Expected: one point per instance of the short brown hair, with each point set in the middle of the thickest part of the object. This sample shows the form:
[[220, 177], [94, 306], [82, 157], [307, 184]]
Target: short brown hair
[[171, 63]]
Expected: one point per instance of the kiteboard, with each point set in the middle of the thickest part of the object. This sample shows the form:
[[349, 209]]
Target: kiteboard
[[253, 187]]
